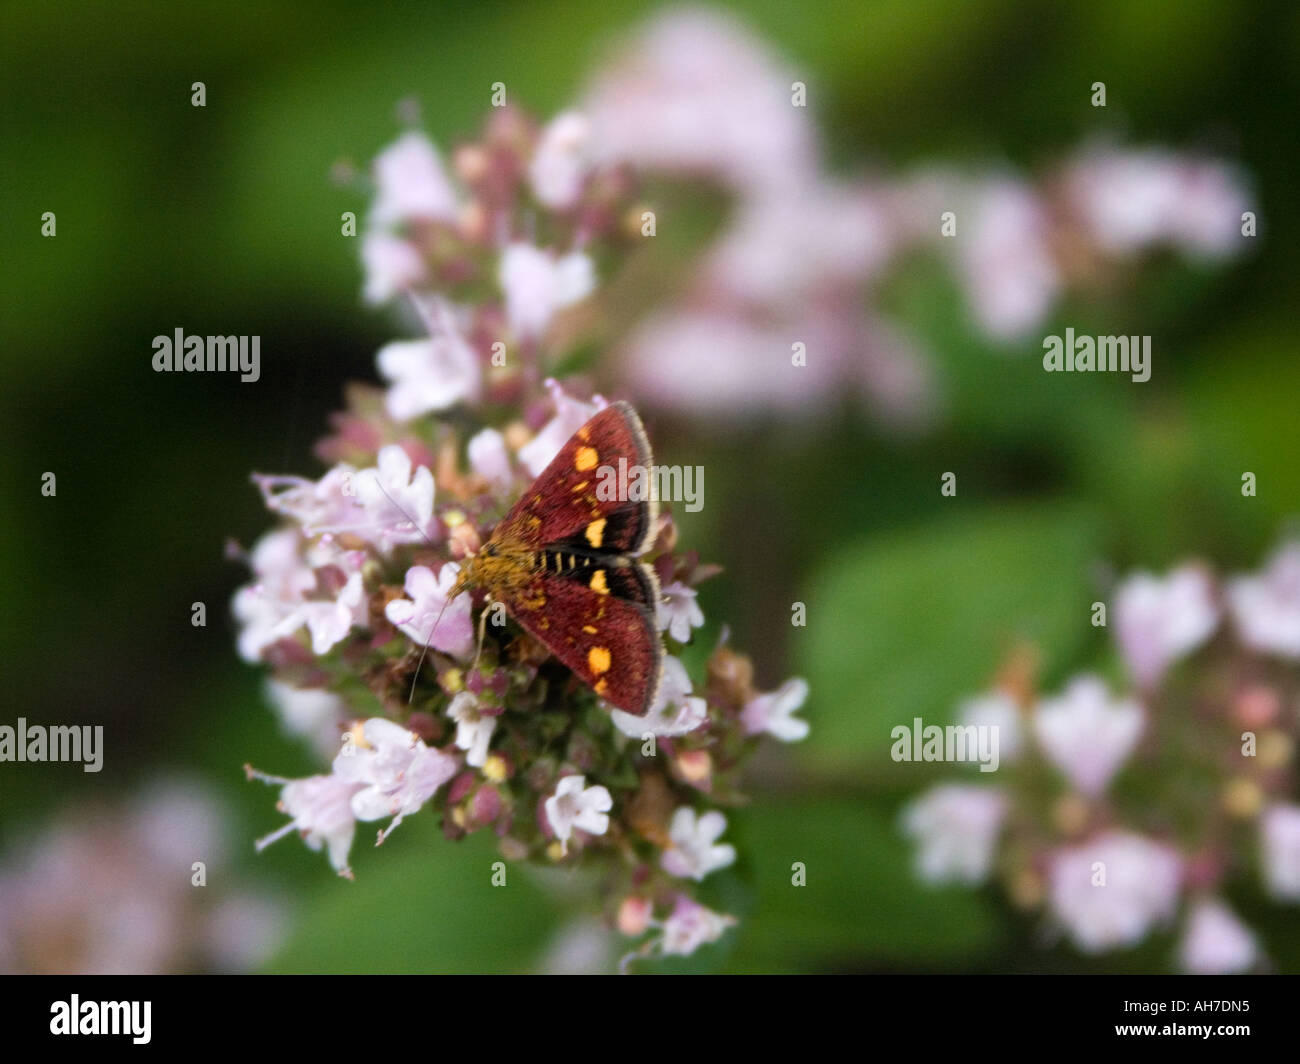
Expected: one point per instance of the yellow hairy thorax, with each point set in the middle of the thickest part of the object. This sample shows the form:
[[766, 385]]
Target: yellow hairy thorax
[[504, 567]]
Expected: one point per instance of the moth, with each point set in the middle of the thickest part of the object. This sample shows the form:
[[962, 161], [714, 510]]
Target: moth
[[564, 564]]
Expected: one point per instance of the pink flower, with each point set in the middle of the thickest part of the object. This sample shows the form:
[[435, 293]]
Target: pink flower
[[1129, 200], [328, 620], [430, 374], [559, 165], [1266, 607], [695, 92], [955, 828], [1109, 891], [1216, 942], [394, 773], [325, 505], [695, 851], [473, 729], [783, 248], [281, 582], [417, 616], [1086, 735], [320, 808], [691, 926], [316, 715], [1158, 621], [774, 712], [570, 415], [410, 183], [1279, 830], [575, 805], [489, 458], [392, 265], [537, 285], [999, 712], [107, 889], [1005, 260], [678, 612], [396, 500]]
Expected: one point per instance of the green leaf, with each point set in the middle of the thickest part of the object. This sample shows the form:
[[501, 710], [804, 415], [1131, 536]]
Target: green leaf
[[861, 906], [429, 906], [906, 626]]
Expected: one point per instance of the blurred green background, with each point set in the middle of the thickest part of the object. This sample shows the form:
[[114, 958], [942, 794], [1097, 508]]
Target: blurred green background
[[224, 219]]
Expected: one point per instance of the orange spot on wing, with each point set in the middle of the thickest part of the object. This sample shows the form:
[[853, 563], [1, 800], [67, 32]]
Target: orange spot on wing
[[585, 459]]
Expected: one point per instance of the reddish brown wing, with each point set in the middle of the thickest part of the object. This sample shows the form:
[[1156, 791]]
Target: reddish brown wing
[[607, 637], [565, 504], [592, 604]]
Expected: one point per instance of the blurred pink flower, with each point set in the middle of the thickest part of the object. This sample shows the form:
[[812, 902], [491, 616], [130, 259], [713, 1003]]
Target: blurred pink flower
[[112, 891], [1128, 200], [392, 265], [1266, 607], [430, 374], [695, 93], [537, 284], [489, 458], [1279, 829], [996, 711], [313, 714], [1157, 621], [559, 165], [691, 926], [955, 828], [773, 712], [280, 580], [782, 248], [1109, 891], [1216, 942], [1086, 734], [411, 184], [1005, 259]]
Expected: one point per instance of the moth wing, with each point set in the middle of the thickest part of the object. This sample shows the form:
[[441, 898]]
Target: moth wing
[[565, 507], [607, 637]]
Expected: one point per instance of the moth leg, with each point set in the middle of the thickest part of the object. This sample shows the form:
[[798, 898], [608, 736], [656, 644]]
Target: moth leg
[[482, 628]]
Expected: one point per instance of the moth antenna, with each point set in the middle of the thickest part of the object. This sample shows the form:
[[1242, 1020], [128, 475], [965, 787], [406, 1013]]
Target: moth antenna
[[402, 510], [420, 664], [445, 602]]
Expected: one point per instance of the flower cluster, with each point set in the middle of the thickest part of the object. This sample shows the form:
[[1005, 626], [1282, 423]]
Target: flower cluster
[[1119, 807], [139, 888], [806, 257], [372, 656]]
